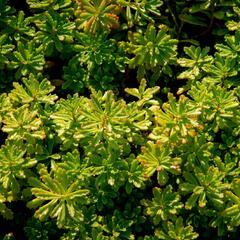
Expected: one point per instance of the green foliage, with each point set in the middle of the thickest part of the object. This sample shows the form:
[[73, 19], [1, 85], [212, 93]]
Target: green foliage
[[119, 119], [176, 121], [176, 231], [55, 4], [152, 50], [198, 59], [221, 70], [156, 157], [232, 212], [103, 119], [96, 56], [14, 166], [53, 31], [27, 60], [140, 12], [19, 27], [205, 184], [33, 93], [66, 118], [230, 50], [5, 48], [97, 15], [233, 25], [62, 193], [164, 205], [143, 94], [22, 124], [5, 105], [219, 107], [36, 229]]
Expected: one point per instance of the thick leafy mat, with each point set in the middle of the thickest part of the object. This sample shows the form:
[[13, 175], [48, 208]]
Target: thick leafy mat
[[119, 119]]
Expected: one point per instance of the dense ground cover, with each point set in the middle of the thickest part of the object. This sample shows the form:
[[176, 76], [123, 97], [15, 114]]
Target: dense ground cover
[[119, 119]]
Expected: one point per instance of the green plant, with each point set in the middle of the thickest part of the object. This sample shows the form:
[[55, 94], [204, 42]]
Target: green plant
[[176, 231], [140, 12], [53, 31], [27, 60], [156, 157], [119, 119], [96, 56], [45, 4], [164, 205], [198, 59], [19, 27], [62, 193], [152, 50], [6, 48], [97, 15]]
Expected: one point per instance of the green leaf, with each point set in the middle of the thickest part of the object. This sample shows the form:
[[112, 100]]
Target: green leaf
[[62, 197], [176, 231], [157, 157], [151, 50], [197, 60], [22, 124], [176, 120], [164, 205], [205, 186], [27, 60], [33, 92], [97, 15], [13, 166], [195, 20]]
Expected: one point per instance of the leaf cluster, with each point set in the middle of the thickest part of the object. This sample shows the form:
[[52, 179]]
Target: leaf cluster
[[119, 119]]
